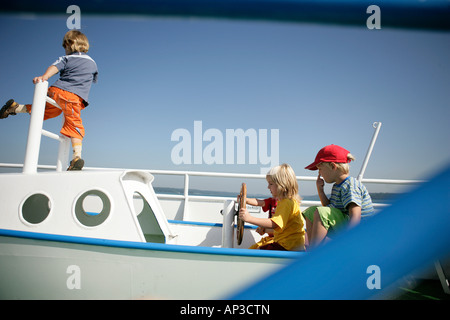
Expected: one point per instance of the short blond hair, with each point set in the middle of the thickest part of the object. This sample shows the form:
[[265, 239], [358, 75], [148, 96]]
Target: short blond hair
[[343, 167], [75, 41], [284, 178]]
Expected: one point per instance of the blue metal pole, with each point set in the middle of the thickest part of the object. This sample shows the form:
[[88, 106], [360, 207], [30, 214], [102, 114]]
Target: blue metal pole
[[431, 14]]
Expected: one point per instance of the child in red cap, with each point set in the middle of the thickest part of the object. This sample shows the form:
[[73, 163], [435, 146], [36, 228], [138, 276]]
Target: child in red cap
[[349, 197]]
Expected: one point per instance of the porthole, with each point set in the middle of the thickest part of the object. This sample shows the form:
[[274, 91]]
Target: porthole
[[92, 208], [36, 208]]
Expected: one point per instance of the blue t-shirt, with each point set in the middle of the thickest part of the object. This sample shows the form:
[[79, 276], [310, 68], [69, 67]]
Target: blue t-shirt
[[348, 191], [77, 72]]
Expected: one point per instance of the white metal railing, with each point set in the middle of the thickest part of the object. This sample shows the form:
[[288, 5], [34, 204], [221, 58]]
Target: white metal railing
[[35, 131], [305, 203], [186, 197]]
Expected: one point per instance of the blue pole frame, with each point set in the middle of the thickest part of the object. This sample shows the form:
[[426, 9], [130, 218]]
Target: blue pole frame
[[431, 14]]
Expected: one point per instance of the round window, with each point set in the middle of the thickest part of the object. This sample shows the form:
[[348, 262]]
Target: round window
[[92, 208], [36, 208]]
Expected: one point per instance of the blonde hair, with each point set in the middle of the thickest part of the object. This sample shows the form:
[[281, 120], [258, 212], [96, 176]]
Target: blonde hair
[[284, 178], [343, 167], [75, 41]]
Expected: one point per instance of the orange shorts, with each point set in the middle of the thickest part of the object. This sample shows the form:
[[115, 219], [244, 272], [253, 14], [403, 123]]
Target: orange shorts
[[71, 105]]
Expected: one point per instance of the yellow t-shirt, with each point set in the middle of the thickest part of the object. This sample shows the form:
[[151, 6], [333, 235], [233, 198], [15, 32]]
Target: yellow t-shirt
[[289, 231]]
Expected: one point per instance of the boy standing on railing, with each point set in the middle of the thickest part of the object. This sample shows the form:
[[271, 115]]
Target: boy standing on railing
[[349, 197], [71, 91]]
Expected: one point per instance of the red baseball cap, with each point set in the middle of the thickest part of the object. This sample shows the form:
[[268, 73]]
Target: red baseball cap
[[331, 153]]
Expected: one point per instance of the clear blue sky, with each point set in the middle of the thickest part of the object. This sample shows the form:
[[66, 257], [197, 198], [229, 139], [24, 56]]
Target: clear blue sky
[[316, 84]]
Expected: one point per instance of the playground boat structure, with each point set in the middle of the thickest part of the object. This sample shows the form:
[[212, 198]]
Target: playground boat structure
[[105, 233]]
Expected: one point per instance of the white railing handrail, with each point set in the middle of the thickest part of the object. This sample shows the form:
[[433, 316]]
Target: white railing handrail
[[187, 174], [214, 174]]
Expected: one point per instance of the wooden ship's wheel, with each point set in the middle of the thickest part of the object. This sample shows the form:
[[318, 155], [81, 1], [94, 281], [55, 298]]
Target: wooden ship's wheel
[[240, 222]]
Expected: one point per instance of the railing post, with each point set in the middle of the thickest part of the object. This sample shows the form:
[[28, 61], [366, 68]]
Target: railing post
[[35, 128], [377, 126], [186, 197], [63, 152]]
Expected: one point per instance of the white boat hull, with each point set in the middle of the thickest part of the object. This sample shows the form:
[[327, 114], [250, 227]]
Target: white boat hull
[[40, 266]]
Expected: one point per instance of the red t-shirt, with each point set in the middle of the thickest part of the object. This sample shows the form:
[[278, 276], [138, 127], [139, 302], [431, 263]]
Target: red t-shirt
[[270, 204]]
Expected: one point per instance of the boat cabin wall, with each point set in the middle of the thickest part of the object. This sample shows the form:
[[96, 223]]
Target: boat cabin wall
[[84, 204]]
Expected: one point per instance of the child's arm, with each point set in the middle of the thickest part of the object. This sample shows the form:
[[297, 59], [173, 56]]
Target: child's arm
[[354, 212], [323, 197], [255, 202], [261, 222], [50, 72]]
